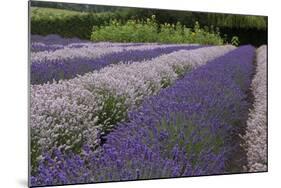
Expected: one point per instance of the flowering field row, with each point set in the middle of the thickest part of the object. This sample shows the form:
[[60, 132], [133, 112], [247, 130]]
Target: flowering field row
[[88, 50], [92, 51], [256, 133], [70, 113], [42, 47], [50, 40], [59, 66], [184, 130], [54, 40]]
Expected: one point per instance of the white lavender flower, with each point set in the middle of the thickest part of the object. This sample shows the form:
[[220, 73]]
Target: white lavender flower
[[256, 133], [68, 113], [89, 50]]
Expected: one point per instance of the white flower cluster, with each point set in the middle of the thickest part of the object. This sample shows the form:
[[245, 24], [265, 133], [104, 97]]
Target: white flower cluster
[[66, 113], [85, 44], [89, 50], [256, 133], [46, 45]]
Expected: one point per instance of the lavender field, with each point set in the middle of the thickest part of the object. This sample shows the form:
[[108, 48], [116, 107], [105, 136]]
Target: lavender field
[[109, 111]]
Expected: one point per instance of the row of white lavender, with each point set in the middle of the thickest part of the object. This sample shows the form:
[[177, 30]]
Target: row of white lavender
[[76, 44], [92, 50], [256, 132], [40, 46], [69, 113]]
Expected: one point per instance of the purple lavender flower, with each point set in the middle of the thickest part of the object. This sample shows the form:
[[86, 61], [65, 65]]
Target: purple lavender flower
[[185, 130], [197, 116], [58, 69]]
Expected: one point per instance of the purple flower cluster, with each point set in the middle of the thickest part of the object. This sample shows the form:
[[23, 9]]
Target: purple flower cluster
[[55, 40], [191, 122], [38, 47], [58, 69], [56, 169], [185, 130]]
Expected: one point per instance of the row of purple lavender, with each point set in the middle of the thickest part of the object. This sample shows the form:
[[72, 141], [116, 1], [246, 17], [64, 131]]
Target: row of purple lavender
[[73, 112], [182, 131], [46, 70]]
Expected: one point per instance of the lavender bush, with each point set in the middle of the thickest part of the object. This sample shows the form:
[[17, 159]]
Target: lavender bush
[[39, 47], [71, 113], [53, 39], [256, 133], [85, 59], [190, 122], [184, 130], [45, 48], [90, 50]]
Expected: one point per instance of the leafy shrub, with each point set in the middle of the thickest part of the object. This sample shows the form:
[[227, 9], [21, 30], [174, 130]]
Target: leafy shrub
[[149, 31], [235, 41], [131, 31]]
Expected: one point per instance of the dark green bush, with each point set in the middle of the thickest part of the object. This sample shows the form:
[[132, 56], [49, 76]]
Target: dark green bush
[[67, 23]]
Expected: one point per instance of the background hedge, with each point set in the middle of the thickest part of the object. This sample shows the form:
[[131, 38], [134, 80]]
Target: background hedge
[[77, 20]]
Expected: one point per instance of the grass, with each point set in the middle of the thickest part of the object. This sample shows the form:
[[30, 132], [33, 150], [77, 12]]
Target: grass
[[38, 12]]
